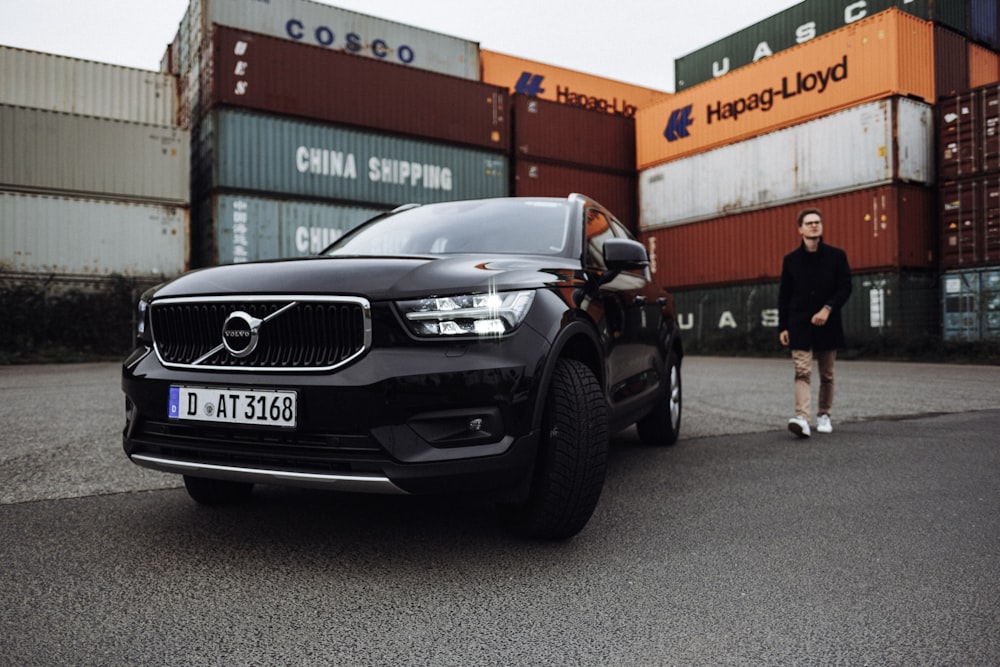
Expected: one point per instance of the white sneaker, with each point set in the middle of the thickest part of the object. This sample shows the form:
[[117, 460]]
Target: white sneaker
[[799, 427], [823, 424]]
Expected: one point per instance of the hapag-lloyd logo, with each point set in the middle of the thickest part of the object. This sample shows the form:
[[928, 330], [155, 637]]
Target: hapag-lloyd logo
[[801, 84]]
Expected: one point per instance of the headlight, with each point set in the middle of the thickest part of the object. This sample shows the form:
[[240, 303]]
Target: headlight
[[492, 314], [142, 332]]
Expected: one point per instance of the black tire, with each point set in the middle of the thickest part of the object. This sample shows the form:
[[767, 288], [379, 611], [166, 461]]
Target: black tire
[[216, 491], [572, 458], [662, 426]]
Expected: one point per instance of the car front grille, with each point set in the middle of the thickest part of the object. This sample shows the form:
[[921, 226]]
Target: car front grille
[[295, 333]]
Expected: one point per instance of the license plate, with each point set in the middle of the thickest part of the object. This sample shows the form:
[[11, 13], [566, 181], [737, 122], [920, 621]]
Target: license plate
[[262, 407]]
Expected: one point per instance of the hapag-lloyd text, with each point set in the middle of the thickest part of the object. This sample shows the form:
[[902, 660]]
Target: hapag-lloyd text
[[817, 82]]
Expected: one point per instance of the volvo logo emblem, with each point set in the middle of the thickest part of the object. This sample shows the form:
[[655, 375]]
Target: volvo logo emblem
[[239, 333]]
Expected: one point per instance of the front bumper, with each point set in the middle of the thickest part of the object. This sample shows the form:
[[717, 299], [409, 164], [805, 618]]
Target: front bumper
[[423, 419]]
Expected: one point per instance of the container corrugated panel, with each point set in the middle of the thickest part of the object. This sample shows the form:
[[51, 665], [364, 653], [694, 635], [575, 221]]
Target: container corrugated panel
[[988, 130], [47, 150], [330, 27], [86, 88], [893, 308], [888, 54], [983, 22], [255, 71], [984, 66], [797, 25], [875, 143], [565, 86], [552, 131], [242, 227], [959, 135], [951, 62], [970, 221], [617, 192], [889, 227], [280, 155], [970, 305], [91, 237]]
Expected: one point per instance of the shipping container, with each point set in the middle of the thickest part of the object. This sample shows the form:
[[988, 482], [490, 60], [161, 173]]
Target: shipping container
[[871, 144], [887, 311], [889, 227], [73, 236], [983, 22], [799, 24], [616, 191], [254, 71], [984, 66], [331, 27], [546, 130], [970, 221], [890, 53], [565, 86], [970, 305], [52, 151], [242, 227], [86, 88], [245, 151], [969, 133], [951, 62]]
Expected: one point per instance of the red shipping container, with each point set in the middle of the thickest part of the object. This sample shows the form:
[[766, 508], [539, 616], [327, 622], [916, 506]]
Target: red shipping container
[[617, 192], [886, 228], [549, 130], [255, 71], [970, 222]]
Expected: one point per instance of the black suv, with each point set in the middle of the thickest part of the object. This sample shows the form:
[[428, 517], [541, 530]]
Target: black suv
[[472, 346]]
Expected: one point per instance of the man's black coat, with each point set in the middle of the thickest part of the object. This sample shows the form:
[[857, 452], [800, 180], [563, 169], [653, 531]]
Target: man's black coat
[[809, 281]]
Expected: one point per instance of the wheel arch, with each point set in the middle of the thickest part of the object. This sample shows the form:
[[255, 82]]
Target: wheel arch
[[578, 340]]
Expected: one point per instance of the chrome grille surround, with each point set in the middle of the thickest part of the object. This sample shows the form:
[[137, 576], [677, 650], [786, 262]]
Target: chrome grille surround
[[297, 333]]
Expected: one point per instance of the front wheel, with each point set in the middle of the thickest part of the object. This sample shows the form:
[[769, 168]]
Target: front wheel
[[572, 457], [662, 426], [216, 491]]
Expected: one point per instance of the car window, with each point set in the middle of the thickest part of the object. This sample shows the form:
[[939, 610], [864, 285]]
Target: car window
[[506, 226]]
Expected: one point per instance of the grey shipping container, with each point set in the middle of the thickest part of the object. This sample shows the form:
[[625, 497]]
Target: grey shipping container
[[242, 227], [885, 310], [877, 143], [83, 155], [86, 88], [245, 151], [970, 305], [332, 27], [72, 236], [799, 24]]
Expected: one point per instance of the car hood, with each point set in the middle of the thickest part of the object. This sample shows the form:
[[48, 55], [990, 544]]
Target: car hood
[[376, 278]]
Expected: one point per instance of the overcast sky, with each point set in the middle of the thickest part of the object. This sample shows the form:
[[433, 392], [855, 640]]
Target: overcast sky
[[629, 40]]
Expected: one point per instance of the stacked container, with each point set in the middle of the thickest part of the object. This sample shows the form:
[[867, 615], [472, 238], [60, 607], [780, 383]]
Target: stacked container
[[94, 181], [297, 139], [844, 123]]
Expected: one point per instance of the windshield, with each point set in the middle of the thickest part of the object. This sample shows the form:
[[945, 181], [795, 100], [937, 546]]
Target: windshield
[[519, 226]]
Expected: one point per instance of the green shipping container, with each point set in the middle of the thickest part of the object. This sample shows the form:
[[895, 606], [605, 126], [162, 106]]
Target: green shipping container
[[799, 24]]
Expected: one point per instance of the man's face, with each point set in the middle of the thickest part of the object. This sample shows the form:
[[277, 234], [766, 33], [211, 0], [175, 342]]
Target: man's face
[[811, 227]]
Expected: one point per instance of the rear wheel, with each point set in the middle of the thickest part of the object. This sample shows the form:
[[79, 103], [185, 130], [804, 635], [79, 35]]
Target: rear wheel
[[663, 425], [572, 458], [216, 491]]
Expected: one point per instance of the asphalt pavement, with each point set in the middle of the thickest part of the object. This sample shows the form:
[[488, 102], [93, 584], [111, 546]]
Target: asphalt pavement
[[876, 545]]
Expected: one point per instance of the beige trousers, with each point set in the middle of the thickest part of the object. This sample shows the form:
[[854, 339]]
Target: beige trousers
[[802, 359]]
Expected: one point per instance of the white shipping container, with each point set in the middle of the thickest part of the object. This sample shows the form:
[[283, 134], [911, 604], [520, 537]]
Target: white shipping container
[[58, 152], [871, 144], [71, 236], [332, 27], [86, 88]]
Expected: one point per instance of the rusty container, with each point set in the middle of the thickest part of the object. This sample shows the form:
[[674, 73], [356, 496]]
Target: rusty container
[[890, 53], [617, 192], [889, 227], [969, 218], [548, 130], [273, 75], [984, 66]]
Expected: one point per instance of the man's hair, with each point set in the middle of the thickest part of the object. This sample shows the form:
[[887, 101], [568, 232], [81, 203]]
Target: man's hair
[[806, 211]]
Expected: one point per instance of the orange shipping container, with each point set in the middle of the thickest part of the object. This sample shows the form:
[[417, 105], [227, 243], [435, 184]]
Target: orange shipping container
[[889, 227], [984, 66], [548, 82], [889, 53]]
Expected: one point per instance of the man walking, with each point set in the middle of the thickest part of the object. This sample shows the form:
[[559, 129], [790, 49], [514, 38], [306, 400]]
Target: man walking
[[815, 285]]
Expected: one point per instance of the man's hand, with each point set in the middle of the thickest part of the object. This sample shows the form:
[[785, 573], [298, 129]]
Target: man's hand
[[783, 337], [820, 318]]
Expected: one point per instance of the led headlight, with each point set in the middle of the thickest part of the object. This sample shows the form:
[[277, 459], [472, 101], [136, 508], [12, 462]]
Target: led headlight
[[492, 314]]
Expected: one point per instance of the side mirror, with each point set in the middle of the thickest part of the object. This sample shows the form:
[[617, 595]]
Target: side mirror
[[625, 255]]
